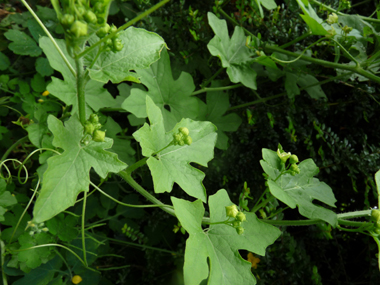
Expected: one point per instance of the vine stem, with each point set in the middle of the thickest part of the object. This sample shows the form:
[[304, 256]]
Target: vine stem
[[2, 247], [212, 78], [83, 231], [269, 48], [123, 27], [216, 89], [9, 150], [328, 8], [50, 37], [81, 84]]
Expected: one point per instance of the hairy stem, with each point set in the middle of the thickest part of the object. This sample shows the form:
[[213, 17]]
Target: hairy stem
[[216, 89], [81, 84]]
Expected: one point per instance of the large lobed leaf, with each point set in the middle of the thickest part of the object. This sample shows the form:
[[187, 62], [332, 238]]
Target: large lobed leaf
[[68, 174], [165, 92], [141, 49], [220, 243], [173, 163], [301, 189], [233, 53]]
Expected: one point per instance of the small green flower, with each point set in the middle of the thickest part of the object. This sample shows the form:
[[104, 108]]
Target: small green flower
[[294, 169], [99, 136], [283, 155], [346, 29], [375, 215], [293, 159], [240, 230]]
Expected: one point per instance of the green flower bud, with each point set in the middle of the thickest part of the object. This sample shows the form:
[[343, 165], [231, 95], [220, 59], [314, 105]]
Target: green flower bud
[[89, 128], [103, 31], [293, 159], [283, 155], [181, 143], [98, 7], [99, 136], [346, 29], [81, 11], [94, 118], [67, 20], [113, 28], [375, 215], [109, 43], [97, 126], [294, 168], [241, 217], [236, 224], [332, 19], [240, 230], [177, 138], [188, 140], [117, 45], [79, 29], [232, 211], [184, 131], [90, 17]]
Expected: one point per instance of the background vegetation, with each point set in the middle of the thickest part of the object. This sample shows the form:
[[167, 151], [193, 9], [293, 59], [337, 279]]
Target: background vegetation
[[341, 133]]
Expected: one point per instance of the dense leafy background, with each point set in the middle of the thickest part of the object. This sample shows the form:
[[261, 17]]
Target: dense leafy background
[[341, 134]]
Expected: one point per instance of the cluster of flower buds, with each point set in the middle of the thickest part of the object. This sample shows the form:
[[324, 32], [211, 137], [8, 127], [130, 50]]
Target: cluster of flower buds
[[114, 43], [293, 160], [182, 137], [36, 228], [375, 216], [81, 18], [332, 19], [92, 130], [233, 212]]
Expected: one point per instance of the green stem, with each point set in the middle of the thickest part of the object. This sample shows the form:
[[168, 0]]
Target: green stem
[[211, 78], [9, 150], [300, 38], [50, 37], [81, 84], [256, 101], [2, 252], [346, 52], [357, 214], [355, 69], [83, 230], [7, 91], [216, 89], [125, 204], [262, 204], [328, 8], [125, 174], [136, 165], [139, 245], [123, 27]]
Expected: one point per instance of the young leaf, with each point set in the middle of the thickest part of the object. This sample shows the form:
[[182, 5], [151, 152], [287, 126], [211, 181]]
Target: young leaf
[[220, 243], [96, 96], [233, 53], [173, 164], [21, 43], [165, 92], [68, 174], [141, 49], [217, 105], [301, 189], [6, 199]]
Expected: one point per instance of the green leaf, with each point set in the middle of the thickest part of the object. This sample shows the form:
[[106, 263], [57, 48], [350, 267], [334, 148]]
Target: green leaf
[[41, 275], [38, 83], [22, 44], [63, 227], [269, 4], [141, 49], [173, 164], [315, 92], [315, 27], [96, 96], [217, 105], [220, 243], [300, 189], [43, 67], [233, 53], [6, 199], [165, 92], [377, 180], [4, 61], [68, 174], [36, 256]]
